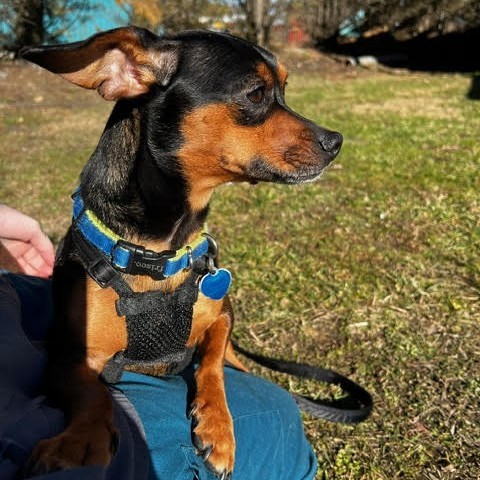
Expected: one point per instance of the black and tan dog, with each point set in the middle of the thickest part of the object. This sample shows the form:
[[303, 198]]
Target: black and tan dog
[[193, 111]]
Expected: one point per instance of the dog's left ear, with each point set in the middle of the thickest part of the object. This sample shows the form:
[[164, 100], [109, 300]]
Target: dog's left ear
[[121, 63]]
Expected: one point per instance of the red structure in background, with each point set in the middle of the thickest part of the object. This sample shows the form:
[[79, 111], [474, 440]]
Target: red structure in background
[[291, 34], [296, 35]]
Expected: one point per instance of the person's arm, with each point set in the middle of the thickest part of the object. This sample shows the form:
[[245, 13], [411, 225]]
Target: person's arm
[[25, 241]]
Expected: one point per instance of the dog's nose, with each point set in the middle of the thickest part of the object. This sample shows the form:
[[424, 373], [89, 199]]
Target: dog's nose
[[331, 142]]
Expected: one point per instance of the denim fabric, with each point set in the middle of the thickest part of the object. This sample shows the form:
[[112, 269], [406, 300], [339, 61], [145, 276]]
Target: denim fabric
[[271, 444], [270, 441]]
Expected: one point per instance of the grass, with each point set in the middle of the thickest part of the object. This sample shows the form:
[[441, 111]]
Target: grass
[[374, 271]]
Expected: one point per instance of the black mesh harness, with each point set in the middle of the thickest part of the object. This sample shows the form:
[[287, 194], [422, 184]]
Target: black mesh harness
[[158, 323]]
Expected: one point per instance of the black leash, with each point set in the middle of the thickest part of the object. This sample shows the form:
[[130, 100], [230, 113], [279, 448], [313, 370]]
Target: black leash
[[354, 408]]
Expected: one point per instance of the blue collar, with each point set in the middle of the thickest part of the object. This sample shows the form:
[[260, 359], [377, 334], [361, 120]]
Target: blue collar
[[135, 259]]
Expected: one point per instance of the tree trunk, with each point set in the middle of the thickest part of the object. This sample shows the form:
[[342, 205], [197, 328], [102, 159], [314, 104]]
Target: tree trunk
[[258, 16], [28, 28]]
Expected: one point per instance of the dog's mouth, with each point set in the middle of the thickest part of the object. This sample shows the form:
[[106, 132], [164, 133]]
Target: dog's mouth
[[260, 170]]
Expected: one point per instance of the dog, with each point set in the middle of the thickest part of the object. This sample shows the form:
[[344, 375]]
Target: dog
[[193, 111]]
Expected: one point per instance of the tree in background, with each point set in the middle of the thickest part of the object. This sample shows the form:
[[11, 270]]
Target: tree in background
[[28, 22], [409, 18], [403, 18], [255, 18], [162, 16], [142, 13], [25, 22], [61, 15], [322, 18]]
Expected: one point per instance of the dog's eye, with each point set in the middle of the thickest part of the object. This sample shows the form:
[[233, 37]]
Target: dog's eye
[[257, 95]]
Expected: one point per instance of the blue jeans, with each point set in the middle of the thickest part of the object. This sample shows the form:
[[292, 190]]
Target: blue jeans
[[271, 444], [268, 430]]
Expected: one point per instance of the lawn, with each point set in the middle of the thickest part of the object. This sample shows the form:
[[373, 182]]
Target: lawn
[[374, 271]]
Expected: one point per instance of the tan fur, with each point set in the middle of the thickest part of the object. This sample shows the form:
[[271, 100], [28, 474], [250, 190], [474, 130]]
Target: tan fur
[[214, 422], [282, 75], [218, 150], [115, 63], [105, 331], [266, 75]]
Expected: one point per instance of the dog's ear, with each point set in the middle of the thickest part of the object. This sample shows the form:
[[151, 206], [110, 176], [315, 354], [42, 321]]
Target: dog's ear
[[120, 63]]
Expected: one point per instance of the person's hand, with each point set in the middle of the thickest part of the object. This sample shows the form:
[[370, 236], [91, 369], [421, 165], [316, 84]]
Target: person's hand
[[24, 240]]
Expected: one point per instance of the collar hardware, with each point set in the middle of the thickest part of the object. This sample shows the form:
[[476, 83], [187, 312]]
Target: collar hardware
[[134, 259], [142, 261]]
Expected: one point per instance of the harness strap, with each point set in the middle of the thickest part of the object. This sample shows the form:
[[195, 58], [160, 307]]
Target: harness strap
[[114, 368], [134, 259], [97, 266], [145, 314], [139, 303]]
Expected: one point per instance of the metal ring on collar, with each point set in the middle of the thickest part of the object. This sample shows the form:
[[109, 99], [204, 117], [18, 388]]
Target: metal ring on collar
[[213, 247], [189, 250]]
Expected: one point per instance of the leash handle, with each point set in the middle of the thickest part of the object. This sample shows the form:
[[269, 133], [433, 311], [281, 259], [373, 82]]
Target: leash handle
[[354, 408]]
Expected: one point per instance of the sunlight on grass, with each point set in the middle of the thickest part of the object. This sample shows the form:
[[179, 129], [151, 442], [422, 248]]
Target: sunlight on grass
[[373, 271]]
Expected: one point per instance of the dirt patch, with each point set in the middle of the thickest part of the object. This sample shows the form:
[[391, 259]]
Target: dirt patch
[[25, 85], [302, 60]]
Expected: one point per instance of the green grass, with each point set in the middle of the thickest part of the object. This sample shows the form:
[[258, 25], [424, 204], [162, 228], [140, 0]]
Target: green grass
[[374, 271]]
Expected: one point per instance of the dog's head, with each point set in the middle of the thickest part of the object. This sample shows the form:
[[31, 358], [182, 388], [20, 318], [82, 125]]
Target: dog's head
[[214, 102]]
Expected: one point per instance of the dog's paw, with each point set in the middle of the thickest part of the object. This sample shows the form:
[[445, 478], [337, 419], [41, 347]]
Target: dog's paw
[[213, 437], [75, 447]]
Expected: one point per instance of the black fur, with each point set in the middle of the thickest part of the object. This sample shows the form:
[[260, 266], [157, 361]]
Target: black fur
[[136, 184], [133, 181]]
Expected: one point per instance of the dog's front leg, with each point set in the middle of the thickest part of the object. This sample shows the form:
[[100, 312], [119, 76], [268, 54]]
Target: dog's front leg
[[90, 437], [73, 377], [213, 432]]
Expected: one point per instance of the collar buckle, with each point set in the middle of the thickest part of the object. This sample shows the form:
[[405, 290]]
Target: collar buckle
[[142, 261]]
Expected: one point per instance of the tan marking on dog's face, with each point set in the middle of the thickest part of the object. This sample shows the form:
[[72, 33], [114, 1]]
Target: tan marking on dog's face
[[266, 75], [217, 149], [282, 74]]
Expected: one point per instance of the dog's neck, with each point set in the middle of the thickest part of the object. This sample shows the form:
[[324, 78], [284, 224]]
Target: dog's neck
[[136, 193]]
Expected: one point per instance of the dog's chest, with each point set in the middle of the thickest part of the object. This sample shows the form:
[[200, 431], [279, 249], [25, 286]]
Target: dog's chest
[[158, 327]]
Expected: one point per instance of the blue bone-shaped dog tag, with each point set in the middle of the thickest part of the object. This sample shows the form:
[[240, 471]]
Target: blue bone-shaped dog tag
[[215, 284]]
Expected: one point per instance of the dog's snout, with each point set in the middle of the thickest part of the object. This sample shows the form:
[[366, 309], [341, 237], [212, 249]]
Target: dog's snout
[[331, 142]]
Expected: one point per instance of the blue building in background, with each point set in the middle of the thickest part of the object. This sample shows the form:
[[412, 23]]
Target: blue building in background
[[106, 15]]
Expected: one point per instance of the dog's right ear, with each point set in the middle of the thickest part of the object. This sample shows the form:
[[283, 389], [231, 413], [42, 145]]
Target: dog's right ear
[[121, 63]]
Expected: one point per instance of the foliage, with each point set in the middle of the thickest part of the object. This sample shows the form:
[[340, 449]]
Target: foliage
[[36, 21], [322, 19], [61, 15], [142, 13], [404, 18], [173, 15], [28, 22], [409, 18], [255, 18]]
